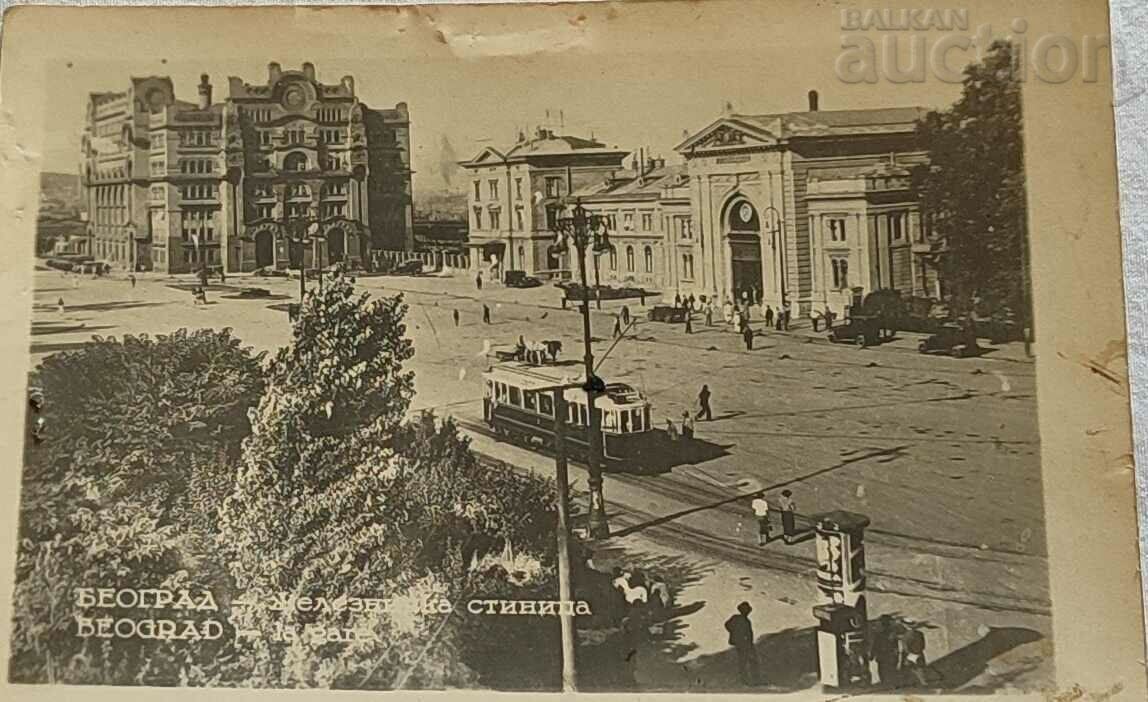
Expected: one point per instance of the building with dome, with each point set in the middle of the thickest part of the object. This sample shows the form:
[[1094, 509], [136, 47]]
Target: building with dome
[[176, 186]]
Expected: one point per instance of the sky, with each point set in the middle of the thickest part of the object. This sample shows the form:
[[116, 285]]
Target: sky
[[634, 75]]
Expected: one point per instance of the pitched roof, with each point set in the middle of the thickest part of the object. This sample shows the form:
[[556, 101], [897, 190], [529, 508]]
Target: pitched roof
[[547, 143], [626, 185], [832, 122]]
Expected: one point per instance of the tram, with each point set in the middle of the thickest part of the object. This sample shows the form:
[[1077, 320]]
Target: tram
[[518, 411]]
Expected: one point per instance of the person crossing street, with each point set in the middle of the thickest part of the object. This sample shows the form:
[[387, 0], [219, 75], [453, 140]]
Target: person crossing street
[[704, 404]]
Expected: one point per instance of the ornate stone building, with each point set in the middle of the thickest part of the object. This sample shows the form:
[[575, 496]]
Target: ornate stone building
[[514, 194], [814, 208], [647, 210], [174, 186]]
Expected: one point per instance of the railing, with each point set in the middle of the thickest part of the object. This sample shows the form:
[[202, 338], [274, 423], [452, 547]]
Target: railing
[[430, 259]]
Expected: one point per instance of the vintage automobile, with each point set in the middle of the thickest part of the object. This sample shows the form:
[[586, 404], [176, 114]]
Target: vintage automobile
[[411, 267], [950, 339], [861, 330], [519, 279], [667, 313]]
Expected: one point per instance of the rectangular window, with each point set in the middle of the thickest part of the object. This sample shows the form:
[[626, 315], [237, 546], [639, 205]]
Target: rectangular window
[[495, 220], [840, 268], [628, 221], [296, 210], [688, 266], [895, 229], [493, 187], [478, 218], [263, 191], [554, 186], [265, 137], [551, 217], [836, 226], [157, 167], [647, 221], [518, 218], [477, 190], [518, 188], [266, 211]]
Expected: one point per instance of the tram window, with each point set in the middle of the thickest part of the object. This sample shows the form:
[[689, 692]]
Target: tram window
[[609, 420], [636, 419], [625, 421], [546, 405], [515, 396], [646, 416], [528, 400]]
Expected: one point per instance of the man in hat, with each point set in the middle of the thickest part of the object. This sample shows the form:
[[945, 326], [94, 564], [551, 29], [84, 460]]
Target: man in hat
[[741, 638]]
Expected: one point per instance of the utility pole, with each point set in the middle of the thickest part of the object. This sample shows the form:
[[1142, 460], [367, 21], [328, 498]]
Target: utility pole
[[565, 590]]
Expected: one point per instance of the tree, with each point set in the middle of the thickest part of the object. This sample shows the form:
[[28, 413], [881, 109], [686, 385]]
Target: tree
[[124, 491], [338, 497], [973, 189]]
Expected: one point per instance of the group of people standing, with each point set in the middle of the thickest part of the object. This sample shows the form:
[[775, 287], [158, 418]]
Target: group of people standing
[[788, 509]]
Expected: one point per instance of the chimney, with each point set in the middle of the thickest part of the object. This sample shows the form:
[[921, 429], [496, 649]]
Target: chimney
[[813, 101], [309, 71], [204, 92], [273, 72]]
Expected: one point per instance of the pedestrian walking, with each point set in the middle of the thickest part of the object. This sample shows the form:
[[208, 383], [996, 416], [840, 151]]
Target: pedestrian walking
[[456, 317], [617, 326], [671, 430], [642, 296], [828, 318], [747, 335], [223, 276], [478, 280], [689, 321], [737, 325], [625, 316], [768, 316], [815, 318], [60, 306], [132, 278], [914, 667], [709, 313], [677, 300], [761, 513], [485, 314], [659, 593], [741, 638], [704, 404], [788, 523], [786, 313]]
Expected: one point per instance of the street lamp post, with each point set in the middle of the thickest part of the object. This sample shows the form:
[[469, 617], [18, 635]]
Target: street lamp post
[[297, 231], [586, 230]]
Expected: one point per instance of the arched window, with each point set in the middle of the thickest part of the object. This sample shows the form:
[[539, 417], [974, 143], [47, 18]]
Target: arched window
[[295, 161], [613, 259], [630, 259], [649, 255], [522, 257]]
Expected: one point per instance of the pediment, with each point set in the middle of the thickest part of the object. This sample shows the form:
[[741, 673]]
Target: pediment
[[487, 155], [728, 133]]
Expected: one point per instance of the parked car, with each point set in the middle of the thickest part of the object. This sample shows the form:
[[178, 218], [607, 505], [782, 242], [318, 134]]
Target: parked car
[[860, 329], [523, 281], [254, 292], [411, 267], [950, 339]]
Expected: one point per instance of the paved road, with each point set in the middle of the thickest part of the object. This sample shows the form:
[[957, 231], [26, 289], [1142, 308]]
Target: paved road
[[942, 454]]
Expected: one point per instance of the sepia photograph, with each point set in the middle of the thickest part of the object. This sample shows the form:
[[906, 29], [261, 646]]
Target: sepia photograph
[[686, 347]]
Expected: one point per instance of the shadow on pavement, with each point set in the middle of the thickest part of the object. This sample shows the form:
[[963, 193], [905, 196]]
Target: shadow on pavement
[[54, 348], [661, 454], [102, 306], [44, 329]]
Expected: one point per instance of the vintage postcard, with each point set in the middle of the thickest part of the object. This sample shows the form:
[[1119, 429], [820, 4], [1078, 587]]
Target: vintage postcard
[[726, 347]]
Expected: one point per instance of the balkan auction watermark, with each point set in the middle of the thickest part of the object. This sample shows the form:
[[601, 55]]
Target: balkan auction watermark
[[914, 44]]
